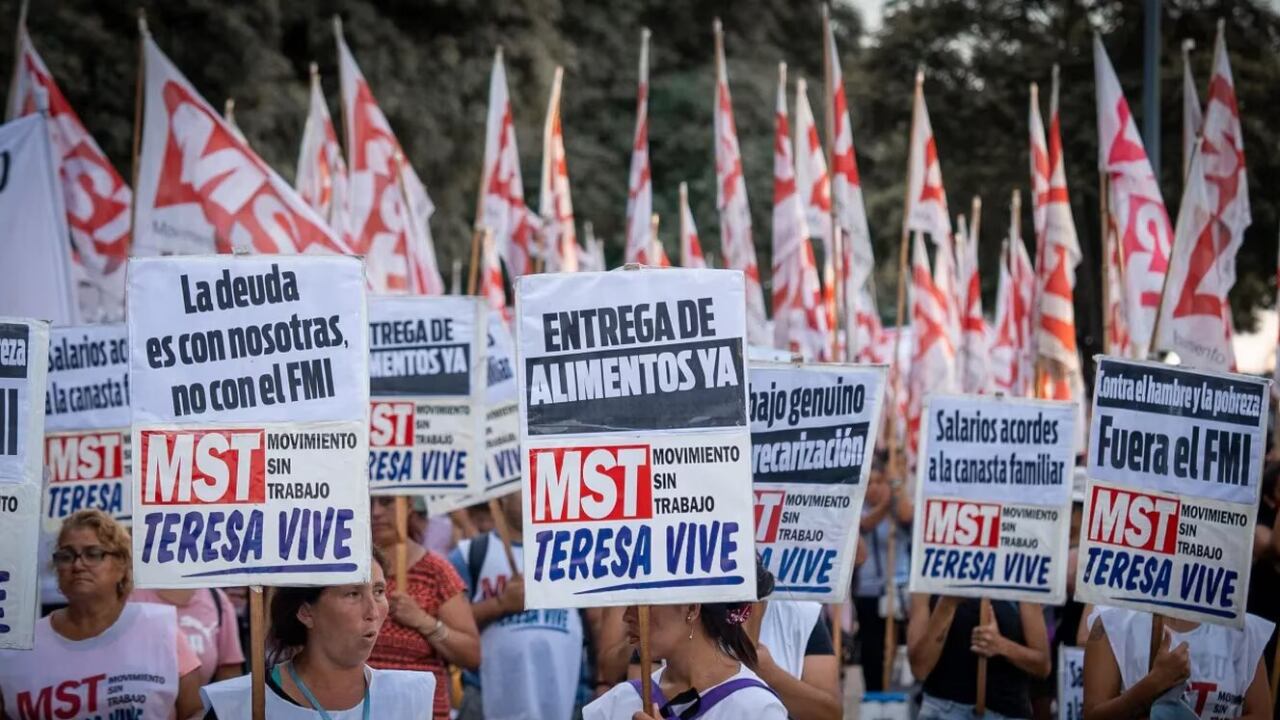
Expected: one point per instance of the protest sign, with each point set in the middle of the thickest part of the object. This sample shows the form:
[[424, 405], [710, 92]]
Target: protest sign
[[1070, 683], [1175, 469], [813, 432], [250, 384], [87, 444], [635, 448], [24, 348], [502, 426], [426, 420], [993, 499]]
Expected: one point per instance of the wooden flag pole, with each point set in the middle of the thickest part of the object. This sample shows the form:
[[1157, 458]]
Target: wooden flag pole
[[980, 701], [646, 663], [504, 534], [653, 235], [258, 652], [402, 543], [836, 246], [1103, 191], [140, 91], [480, 236], [684, 224], [12, 102]]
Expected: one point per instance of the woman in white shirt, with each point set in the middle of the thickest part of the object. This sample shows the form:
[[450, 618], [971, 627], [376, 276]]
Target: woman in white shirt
[[328, 633], [1204, 671], [709, 666]]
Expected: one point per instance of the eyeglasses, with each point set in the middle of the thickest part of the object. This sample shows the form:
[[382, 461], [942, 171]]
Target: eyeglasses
[[92, 556]]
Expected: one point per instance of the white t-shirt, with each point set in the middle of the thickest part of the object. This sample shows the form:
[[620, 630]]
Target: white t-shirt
[[393, 695], [1223, 661], [134, 664], [750, 703], [785, 630], [533, 659]]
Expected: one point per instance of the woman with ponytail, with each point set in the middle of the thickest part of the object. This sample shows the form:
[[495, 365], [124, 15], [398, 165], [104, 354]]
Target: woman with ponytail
[[709, 670]]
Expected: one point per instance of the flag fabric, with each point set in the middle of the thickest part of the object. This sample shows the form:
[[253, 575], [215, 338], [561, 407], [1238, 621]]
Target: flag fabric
[[490, 286], [1192, 114], [873, 345], [731, 200], [814, 185], [502, 207], [1011, 352], [690, 247], [926, 198], [846, 187], [591, 259], [400, 256], [1136, 207], [799, 322], [322, 173], [933, 356], [1058, 254], [974, 342], [946, 278], [1116, 341], [1195, 319], [96, 198], [559, 246], [201, 190], [640, 182]]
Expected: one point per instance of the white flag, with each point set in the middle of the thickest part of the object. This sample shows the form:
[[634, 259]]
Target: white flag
[[559, 238], [502, 205]]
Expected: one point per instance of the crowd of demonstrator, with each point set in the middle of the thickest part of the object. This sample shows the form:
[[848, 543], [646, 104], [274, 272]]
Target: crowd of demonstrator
[[458, 641]]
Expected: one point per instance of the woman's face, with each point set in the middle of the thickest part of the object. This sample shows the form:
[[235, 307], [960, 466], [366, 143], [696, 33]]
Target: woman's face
[[382, 520], [669, 627], [343, 623], [87, 570], [877, 488]]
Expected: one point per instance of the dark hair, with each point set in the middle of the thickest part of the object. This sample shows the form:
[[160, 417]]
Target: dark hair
[[287, 633], [1270, 473], [732, 636]]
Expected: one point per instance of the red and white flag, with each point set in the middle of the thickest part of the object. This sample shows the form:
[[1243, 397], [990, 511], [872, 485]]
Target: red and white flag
[[591, 257], [399, 254], [640, 181], [96, 197], [1192, 113], [946, 278], [491, 287], [1116, 329], [933, 356], [502, 207], [201, 190], [1058, 251], [926, 198], [690, 248], [873, 343], [1011, 352], [322, 172], [799, 320], [974, 342], [846, 190], [1195, 319], [559, 246], [731, 200], [1136, 207], [814, 186]]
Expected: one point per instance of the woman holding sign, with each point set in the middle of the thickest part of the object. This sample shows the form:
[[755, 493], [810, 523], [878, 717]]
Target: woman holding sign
[[100, 653], [327, 633], [945, 636], [710, 663], [1200, 670]]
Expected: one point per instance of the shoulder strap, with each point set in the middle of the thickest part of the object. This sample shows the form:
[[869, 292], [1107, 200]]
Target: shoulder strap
[[217, 603], [659, 700], [475, 559], [712, 697]]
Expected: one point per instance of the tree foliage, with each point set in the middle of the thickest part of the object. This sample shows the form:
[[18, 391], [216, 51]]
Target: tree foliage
[[428, 64]]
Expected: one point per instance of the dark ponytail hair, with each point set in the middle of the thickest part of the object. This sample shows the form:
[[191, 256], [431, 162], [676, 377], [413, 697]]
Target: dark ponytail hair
[[723, 622], [287, 635]]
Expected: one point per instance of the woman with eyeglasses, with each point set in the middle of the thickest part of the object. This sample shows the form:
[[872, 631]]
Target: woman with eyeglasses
[[709, 670], [430, 622], [101, 655], [325, 636]]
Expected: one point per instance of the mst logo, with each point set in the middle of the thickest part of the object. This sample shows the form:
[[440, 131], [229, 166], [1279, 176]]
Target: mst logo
[[195, 467], [1134, 520], [390, 424], [965, 524], [610, 482]]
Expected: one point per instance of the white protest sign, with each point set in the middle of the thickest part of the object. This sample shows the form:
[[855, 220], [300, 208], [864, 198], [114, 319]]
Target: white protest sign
[[426, 419], [813, 433], [1175, 468], [87, 443], [1070, 683], [250, 383], [993, 498], [634, 438], [24, 348]]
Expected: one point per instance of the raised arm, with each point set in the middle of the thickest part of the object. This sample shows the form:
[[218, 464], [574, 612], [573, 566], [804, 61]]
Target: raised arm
[[1105, 697]]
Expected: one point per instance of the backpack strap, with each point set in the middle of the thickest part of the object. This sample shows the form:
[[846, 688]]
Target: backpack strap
[[712, 697], [216, 594], [475, 559]]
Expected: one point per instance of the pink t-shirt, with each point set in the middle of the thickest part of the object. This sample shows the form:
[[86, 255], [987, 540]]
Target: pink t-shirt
[[216, 642]]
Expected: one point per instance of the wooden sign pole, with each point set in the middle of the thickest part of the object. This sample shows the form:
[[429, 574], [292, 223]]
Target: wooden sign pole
[[402, 543], [980, 702], [139, 92], [646, 663], [504, 534], [258, 652]]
